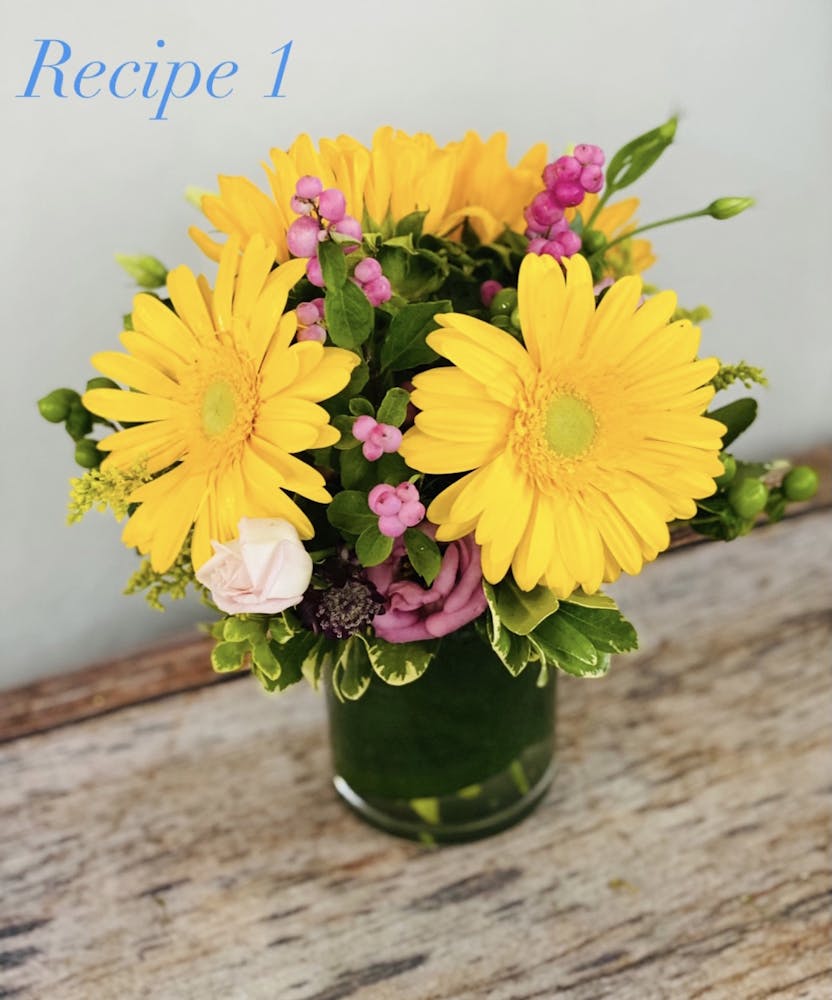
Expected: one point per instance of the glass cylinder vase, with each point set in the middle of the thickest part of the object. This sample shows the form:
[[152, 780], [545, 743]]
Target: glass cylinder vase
[[462, 752]]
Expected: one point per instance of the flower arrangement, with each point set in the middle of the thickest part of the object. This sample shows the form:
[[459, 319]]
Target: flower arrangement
[[426, 392]]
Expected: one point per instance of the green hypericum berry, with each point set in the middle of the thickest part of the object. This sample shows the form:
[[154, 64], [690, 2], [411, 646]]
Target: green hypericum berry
[[78, 421], [87, 454], [748, 497], [99, 382], [801, 483], [504, 302], [729, 464], [515, 318], [55, 406], [593, 241]]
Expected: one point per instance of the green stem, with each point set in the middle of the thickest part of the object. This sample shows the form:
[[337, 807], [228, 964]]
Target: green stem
[[654, 225], [599, 205]]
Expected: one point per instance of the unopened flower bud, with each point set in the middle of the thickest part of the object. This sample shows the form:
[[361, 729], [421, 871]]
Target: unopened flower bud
[[146, 271], [726, 208], [55, 406], [87, 454]]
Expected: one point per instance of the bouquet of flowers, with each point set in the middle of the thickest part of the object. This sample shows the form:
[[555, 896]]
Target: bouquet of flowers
[[424, 391]]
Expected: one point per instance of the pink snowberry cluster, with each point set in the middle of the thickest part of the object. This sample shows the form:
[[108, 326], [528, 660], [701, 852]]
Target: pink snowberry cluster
[[488, 289], [310, 321], [567, 181], [371, 281], [398, 508], [322, 212], [377, 439]]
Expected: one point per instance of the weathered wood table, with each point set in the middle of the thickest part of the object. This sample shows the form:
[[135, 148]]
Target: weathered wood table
[[190, 846]]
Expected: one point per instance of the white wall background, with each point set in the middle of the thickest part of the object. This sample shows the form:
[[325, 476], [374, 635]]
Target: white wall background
[[81, 179]]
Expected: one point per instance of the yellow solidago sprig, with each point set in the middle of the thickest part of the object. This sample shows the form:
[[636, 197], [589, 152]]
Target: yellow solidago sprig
[[102, 488], [578, 448], [222, 399]]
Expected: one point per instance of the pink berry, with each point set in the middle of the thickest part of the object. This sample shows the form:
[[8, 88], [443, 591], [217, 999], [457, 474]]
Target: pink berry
[[372, 450], [570, 241], [537, 244], [302, 237], [378, 291], [411, 513], [348, 226], [363, 428], [308, 186], [567, 168], [586, 153], [407, 492], [568, 192], [332, 204], [367, 270], [391, 526], [554, 248], [300, 206], [377, 493], [313, 332], [314, 273], [545, 209], [307, 313], [388, 437], [592, 178], [488, 289]]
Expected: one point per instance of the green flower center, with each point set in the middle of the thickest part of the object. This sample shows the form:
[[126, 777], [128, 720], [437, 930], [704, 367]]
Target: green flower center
[[219, 406], [570, 426]]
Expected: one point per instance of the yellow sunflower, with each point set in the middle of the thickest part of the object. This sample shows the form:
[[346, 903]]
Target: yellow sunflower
[[578, 448], [224, 399], [629, 256], [397, 175]]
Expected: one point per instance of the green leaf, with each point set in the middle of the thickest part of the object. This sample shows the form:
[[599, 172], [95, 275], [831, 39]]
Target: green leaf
[[283, 663], [607, 629], [333, 264], [349, 316], [637, 156], [228, 656], [351, 672], [413, 274], [361, 407], [317, 659], [393, 409], [356, 471], [343, 424], [737, 417], [283, 626], [244, 629], [521, 611], [411, 225], [399, 663], [392, 469], [349, 511], [372, 547], [264, 659], [423, 553], [596, 600], [514, 651], [404, 346], [563, 646]]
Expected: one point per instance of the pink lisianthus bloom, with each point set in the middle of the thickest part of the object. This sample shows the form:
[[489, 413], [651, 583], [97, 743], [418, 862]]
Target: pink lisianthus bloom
[[263, 571], [416, 612]]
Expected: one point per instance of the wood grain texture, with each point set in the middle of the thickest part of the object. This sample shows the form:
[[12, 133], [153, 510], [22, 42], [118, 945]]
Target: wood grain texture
[[192, 847]]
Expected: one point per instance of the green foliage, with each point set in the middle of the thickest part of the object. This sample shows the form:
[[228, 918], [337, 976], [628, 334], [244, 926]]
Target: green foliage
[[696, 315], [413, 274], [349, 512], [741, 372], [145, 270], [172, 583], [349, 316], [637, 156], [576, 636], [351, 670], [393, 408], [371, 547], [737, 417], [103, 488], [398, 663], [404, 346], [423, 553]]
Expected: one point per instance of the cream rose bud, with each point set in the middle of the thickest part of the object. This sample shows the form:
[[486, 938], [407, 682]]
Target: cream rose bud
[[264, 570]]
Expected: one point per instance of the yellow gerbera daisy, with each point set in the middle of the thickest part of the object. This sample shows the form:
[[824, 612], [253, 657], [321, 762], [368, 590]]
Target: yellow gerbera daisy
[[224, 399], [629, 257], [582, 445], [398, 175]]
